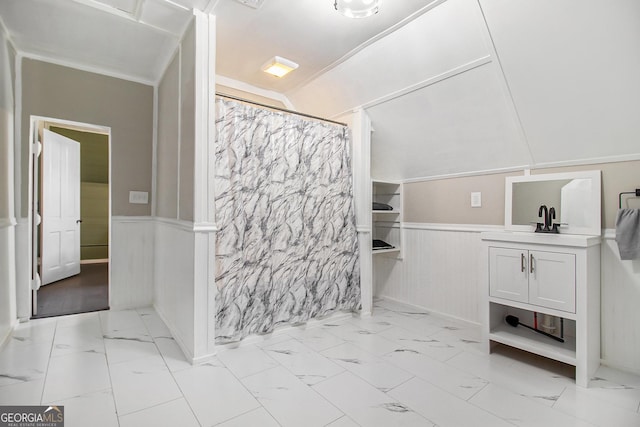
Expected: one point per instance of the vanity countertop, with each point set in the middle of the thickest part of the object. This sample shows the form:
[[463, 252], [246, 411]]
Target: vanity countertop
[[575, 240]]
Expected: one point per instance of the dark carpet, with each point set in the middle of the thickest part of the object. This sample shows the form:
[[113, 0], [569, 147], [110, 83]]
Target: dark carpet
[[85, 292]]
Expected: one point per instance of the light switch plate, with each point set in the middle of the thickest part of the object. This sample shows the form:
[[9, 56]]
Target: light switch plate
[[476, 199], [139, 197]]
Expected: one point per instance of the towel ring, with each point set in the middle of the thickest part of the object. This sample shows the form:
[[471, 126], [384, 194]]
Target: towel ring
[[637, 194]]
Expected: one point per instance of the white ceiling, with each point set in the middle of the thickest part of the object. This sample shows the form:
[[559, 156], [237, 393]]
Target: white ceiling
[[308, 32], [136, 38], [452, 86], [129, 38]]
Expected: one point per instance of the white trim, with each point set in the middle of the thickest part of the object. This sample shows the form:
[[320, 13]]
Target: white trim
[[7, 35], [364, 229], [504, 84], [179, 120], [94, 261], [524, 168], [210, 6], [154, 150], [204, 227], [474, 228], [433, 313], [70, 124], [128, 219], [8, 222], [479, 62], [591, 161], [87, 68], [133, 17], [368, 43], [467, 174], [609, 233], [188, 353], [246, 87], [5, 339]]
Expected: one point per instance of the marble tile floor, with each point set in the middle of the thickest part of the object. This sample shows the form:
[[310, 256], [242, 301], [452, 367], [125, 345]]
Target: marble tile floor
[[399, 367]]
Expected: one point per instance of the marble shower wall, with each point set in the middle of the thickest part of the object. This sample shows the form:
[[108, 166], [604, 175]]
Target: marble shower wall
[[287, 246]]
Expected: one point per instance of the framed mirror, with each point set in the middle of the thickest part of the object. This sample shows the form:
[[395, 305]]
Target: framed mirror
[[575, 196]]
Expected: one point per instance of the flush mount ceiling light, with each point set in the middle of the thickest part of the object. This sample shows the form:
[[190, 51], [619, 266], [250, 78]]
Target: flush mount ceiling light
[[357, 8], [279, 66]]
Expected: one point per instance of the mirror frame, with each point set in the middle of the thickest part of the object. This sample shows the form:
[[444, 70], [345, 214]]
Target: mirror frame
[[594, 229]]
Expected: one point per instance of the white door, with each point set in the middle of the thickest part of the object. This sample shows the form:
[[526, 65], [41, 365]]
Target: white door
[[508, 276], [552, 282], [60, 207]]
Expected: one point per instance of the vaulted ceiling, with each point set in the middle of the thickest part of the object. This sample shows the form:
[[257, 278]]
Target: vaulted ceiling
[[451, 86]]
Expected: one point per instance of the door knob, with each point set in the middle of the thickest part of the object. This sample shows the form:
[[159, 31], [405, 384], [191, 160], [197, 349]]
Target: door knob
[[78, 221]]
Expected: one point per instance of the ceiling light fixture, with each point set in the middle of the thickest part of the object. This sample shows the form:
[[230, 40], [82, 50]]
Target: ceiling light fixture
[[357, 8], [279, 66]]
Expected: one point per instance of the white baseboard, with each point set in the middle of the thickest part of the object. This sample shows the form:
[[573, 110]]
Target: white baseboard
[[95, 261], [433, 313]]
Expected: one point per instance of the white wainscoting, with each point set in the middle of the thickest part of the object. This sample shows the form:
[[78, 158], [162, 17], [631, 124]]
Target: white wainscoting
[[8, 318], [132, 276], [174, 280], [620, 315], [23, 271], [440, 268]]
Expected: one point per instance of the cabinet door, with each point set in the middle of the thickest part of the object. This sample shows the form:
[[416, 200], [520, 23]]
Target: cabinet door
[[552, 280], [508, 274]]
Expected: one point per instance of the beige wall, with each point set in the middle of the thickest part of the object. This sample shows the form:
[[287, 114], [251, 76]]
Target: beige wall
[[176, 134], [127, 107], [167, 149], [187, 123], [448, 200]]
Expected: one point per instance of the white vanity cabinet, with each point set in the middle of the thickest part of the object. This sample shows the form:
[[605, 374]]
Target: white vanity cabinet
[[542, 278], [557, 275]]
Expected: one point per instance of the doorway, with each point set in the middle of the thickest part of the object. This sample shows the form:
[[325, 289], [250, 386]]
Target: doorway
[[70, 262]]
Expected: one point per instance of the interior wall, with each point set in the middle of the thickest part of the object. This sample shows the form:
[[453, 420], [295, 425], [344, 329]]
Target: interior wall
[[572, 69], [7, 214], [448, 201], [126, 107], [174, 247], [187, 123], [168, 141], [176, 134]]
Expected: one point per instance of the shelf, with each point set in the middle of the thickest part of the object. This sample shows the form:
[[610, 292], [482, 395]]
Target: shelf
[[385, 251], [530, 307], [528, 340], [395, 211]]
